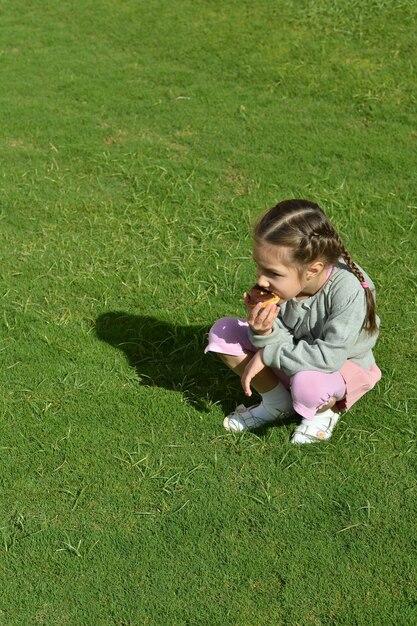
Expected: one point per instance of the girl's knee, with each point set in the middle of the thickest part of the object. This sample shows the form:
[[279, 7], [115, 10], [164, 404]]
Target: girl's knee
[[316, 389], [303, 389], [221, 332], [229, 336], [219, 327]]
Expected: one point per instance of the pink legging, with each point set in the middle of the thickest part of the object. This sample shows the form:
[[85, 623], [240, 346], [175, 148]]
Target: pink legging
[[310, 390]]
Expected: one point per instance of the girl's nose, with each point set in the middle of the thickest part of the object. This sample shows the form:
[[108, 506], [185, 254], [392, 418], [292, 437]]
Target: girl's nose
[[262, 281]]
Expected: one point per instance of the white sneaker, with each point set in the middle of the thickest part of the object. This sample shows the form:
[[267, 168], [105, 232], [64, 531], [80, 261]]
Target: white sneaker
[[319, 428], [243, 418]]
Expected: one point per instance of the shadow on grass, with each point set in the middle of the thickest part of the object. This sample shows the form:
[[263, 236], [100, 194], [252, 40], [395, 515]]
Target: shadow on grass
[[171, 357]]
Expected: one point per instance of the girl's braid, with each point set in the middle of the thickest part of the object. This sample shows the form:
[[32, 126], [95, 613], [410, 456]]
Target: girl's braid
[[349, 261], [370, 323]]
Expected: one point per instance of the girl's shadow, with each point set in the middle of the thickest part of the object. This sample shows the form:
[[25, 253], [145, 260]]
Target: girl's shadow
[[171, 357]]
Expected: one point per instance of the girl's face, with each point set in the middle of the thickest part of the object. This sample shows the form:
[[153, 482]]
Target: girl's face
[[276, 273]]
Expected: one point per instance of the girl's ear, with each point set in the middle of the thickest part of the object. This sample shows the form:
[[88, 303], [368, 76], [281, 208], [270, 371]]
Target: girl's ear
[[314, 269]]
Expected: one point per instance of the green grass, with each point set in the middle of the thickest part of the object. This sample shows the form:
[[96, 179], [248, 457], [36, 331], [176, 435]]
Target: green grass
[[139, 142]]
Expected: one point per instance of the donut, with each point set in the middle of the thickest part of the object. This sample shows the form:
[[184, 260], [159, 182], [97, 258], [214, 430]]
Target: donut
[[259, 294]]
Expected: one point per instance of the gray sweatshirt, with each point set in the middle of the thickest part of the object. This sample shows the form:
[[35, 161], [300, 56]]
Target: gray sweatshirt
[[322, 332]]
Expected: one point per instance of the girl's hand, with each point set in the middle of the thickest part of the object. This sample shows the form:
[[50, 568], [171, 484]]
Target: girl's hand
[[253, 368], [261, 319]]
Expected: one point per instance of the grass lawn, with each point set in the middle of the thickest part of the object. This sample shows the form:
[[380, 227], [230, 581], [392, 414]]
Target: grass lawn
[[139, 141]]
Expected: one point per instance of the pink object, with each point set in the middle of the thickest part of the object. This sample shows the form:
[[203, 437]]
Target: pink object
[[365, 284], [310, 390]]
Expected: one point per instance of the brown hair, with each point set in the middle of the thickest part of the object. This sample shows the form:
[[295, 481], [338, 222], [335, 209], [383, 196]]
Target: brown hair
[[303, 227]]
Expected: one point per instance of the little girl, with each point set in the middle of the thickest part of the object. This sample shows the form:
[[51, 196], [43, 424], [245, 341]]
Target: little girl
[[312, 354]]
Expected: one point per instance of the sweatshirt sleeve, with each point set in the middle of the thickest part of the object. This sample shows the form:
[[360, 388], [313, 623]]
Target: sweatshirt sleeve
[[327, 353]]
